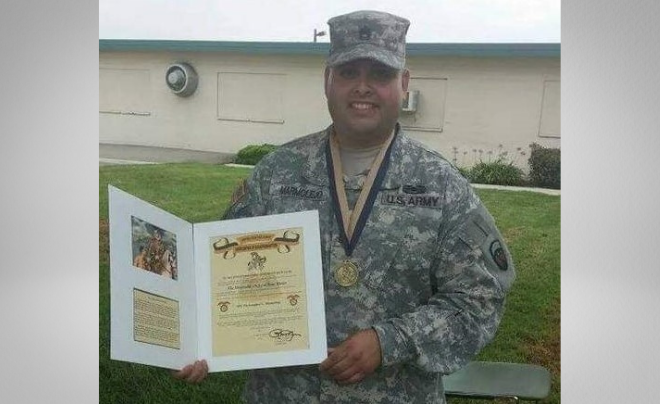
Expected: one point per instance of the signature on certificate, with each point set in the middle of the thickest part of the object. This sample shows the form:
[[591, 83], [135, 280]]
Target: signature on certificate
[[283, 335]]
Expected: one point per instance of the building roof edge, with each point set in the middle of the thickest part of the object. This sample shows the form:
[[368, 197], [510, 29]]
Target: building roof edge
[[311, 48]]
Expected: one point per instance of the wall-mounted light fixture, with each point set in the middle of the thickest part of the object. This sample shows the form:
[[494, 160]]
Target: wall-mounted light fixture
[[182, 79], [318, 34]]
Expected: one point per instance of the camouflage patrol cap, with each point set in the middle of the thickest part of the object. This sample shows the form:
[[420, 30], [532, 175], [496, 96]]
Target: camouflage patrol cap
[[368, 35]]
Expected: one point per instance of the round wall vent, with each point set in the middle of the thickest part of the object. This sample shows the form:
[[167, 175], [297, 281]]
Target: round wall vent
[[182, 79]]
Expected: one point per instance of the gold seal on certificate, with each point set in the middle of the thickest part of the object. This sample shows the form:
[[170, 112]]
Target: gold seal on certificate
[[346, 273]]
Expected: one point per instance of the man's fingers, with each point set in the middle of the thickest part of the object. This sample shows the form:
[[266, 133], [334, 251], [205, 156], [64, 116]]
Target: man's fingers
[[353, 379], [200, 370], [204, 371], [194, 373], [183, 373], [345, 374], [333, 358], [354, 359], [339, 367]]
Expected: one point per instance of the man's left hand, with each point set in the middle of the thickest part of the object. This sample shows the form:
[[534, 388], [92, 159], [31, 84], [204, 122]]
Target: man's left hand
[[354, 359]]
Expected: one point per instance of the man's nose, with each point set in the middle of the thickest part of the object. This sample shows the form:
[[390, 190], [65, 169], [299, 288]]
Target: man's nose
[[363, 85]]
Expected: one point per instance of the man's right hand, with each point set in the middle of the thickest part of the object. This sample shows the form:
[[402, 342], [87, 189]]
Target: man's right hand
[[194, 373]]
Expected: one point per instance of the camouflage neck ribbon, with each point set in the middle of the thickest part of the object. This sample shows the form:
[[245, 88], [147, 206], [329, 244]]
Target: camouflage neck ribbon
[[352, 223]]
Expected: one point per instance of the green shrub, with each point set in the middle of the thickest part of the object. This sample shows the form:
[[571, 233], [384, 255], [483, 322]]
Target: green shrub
[[251, 154], [465, 171], [496, 173], [545, 167]]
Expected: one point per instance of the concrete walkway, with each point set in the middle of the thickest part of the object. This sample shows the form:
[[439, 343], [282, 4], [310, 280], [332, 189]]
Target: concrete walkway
[[506, 188], [110, 154], [129, 154]]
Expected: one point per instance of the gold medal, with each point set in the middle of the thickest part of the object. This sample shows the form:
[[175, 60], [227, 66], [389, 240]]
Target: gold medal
[[346, 273]]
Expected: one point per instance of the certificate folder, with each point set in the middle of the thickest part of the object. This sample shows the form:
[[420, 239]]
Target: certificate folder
[[242, 294]]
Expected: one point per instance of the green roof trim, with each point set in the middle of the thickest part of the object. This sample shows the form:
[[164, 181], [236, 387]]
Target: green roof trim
[[311, 48]]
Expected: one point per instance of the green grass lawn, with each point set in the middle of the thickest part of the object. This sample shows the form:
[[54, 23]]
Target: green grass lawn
[[529, 332]]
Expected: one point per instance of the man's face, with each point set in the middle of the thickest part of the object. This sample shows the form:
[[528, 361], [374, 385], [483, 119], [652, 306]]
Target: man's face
[[364, 98]]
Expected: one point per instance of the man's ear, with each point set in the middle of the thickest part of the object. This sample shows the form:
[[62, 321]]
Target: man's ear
[[326, 80], [405, 79]]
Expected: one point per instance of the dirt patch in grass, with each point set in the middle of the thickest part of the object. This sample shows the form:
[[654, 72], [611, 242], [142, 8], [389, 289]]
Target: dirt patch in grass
[[547, 351], [513, 233], [104, 243]]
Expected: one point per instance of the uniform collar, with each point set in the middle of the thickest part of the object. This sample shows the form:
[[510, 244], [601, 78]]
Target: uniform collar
[[316, 168], [395, 172]]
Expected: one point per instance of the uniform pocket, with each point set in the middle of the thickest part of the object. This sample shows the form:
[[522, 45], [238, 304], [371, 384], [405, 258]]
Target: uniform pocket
[[399, 262]]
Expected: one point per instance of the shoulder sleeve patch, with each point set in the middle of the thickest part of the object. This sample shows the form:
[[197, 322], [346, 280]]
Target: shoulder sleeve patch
[[498, 255], [480, 233]]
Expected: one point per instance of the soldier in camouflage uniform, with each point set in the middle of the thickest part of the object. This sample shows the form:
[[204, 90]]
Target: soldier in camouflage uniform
[[415, 270]]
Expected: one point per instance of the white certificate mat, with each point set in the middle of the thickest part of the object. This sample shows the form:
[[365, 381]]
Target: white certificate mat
[[260, 292], [242, 294], [153, 307]]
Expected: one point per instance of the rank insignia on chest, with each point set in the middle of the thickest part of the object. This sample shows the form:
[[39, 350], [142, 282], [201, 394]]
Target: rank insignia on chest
[[414, 189], [365, 33], [410, 200]]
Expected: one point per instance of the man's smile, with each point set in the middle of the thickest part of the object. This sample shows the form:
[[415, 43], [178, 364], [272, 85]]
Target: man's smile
[[362, 106]]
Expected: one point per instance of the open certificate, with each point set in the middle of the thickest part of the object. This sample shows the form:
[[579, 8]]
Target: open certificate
[[242, 294]]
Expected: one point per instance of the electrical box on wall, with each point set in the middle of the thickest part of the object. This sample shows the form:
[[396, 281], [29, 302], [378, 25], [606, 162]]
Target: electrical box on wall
[[410, 101], [182, 79]]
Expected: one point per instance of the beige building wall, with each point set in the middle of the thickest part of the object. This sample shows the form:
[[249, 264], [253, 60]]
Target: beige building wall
[[488, 105], [470, 104]]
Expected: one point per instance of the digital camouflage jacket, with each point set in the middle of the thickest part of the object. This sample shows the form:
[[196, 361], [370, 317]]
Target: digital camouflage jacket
[[434, 271]]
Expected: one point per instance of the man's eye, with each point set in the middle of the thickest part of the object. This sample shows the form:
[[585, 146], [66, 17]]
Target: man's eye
[[348, 73], [383, 74]]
